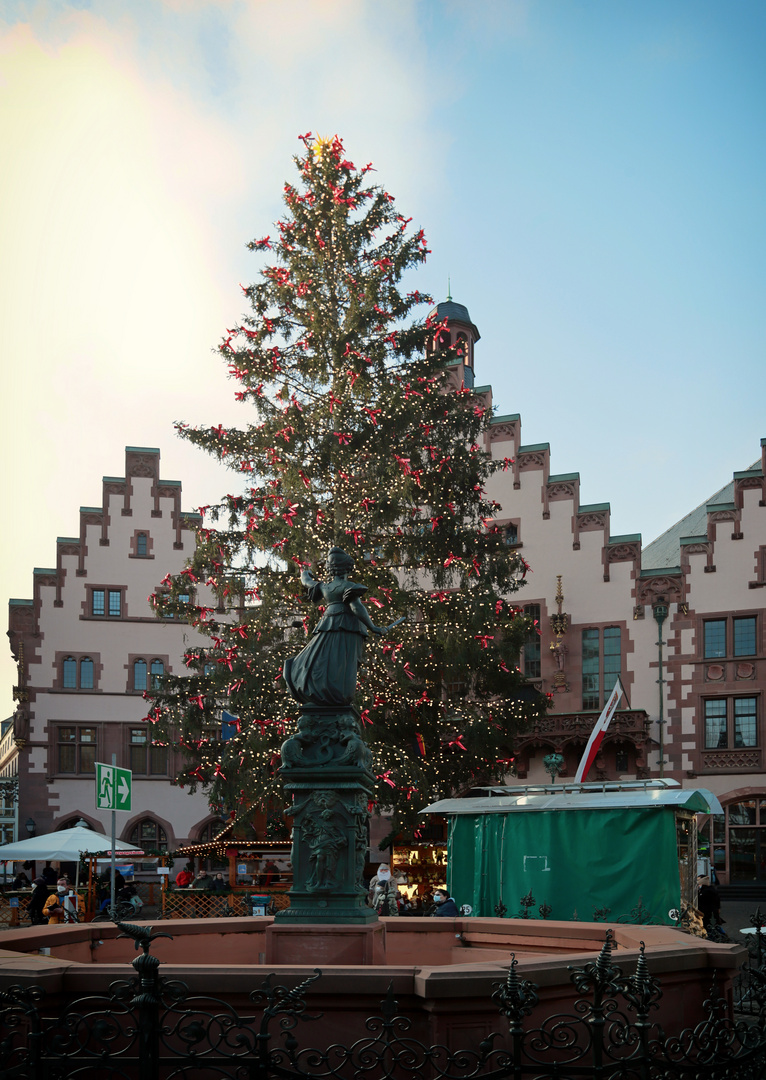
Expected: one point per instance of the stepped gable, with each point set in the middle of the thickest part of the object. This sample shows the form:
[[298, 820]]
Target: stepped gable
[[665, 552], [140, 461]]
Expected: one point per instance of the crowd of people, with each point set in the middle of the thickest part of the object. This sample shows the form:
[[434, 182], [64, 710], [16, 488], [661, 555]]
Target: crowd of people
[[387, 898]]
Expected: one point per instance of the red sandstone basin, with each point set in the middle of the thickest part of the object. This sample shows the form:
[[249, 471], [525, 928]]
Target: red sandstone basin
[[442, 971]]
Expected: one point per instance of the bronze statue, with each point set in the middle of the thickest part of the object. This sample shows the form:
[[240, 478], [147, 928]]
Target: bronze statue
[[324, 673]]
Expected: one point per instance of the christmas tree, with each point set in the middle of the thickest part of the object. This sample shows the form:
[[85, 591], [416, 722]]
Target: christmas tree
[[357, 439]]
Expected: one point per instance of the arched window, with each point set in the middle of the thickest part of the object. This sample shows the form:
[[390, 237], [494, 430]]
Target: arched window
[[149, 835], [70, 673], [86, 673], [139, 674], [158, 670], [464, 349]]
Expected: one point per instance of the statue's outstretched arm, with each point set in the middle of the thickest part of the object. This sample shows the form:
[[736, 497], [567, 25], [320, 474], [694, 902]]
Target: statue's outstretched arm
[[363, 615]]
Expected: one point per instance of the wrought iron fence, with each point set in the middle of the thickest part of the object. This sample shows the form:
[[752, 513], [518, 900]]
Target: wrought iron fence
[[750, 984], [151, 1028]]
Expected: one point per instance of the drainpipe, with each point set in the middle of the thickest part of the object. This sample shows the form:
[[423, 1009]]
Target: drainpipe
[[660, 612]]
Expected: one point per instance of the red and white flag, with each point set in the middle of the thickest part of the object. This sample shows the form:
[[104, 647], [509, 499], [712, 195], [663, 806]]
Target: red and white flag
[[597, 735]]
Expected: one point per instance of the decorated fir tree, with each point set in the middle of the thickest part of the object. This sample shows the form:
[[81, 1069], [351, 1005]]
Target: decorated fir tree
[[357, 438]]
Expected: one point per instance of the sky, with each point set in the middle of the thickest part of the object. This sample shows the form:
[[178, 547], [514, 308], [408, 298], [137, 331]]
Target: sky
[[590, 177]]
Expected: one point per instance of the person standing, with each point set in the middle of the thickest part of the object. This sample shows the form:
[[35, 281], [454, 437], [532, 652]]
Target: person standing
[[53, 908], [48, 874], [40, 893], [709, 904]]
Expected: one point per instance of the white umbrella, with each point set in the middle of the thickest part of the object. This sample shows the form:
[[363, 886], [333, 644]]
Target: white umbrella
[[65, 846]]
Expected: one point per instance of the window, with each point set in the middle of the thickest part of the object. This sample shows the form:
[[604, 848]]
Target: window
[[77, 673], [731, 723], [142, 545], [182, 598], [142, 670], [744, 636], [158, 670], [717, 644], [715, 639], [76, 749], [149, 835], [139, 674], [144, 756], [511, 534], [601, 662], [532, 644], [106, 603]]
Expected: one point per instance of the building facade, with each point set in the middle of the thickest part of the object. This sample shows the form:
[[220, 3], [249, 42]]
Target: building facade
[[87, 645], [680, 621]]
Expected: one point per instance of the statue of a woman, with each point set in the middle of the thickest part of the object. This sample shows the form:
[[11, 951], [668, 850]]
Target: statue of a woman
[[324, 673]]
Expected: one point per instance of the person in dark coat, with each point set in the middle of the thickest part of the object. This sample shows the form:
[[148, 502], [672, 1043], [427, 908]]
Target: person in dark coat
[[219, 883], [40, 894], [709, 903], [49, 875], [446, 907]]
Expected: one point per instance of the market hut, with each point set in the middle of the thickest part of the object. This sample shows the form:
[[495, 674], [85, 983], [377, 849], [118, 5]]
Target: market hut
[[626, 851]]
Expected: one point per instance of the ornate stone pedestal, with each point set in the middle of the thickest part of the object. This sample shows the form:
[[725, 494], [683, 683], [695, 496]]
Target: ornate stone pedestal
[[325, 766]]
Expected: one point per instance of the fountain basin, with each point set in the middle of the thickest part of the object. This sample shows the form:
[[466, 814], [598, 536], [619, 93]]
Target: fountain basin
[[442, 971]]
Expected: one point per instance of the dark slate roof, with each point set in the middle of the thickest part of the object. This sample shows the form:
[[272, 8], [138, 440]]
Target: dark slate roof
[[664, 552], [448, 309]]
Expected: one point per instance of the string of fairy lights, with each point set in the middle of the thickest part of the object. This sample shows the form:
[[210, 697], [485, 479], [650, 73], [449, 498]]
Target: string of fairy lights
[[362, 439]]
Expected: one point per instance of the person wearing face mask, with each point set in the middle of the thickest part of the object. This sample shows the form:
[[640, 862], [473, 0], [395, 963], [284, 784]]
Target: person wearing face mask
[[53, 908], [445, 905]]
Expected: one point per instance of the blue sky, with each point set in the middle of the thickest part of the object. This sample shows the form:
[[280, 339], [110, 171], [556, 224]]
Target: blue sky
[[590, 177]]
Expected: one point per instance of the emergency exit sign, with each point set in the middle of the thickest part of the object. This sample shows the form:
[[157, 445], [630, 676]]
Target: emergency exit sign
[[114, 787]]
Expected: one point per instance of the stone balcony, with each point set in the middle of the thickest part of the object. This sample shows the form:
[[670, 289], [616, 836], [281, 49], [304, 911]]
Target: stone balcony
[[567, 734]]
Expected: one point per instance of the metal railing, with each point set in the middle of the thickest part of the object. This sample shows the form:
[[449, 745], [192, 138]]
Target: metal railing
[[151, 1028]]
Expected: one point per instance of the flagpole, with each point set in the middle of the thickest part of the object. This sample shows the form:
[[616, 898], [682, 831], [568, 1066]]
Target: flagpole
[[599, 730]]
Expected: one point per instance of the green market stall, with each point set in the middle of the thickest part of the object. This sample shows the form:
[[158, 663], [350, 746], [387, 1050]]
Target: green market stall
[[626, 851]]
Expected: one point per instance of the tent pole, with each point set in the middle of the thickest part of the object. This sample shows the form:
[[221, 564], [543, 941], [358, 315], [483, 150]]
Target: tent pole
[[113, 907]]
